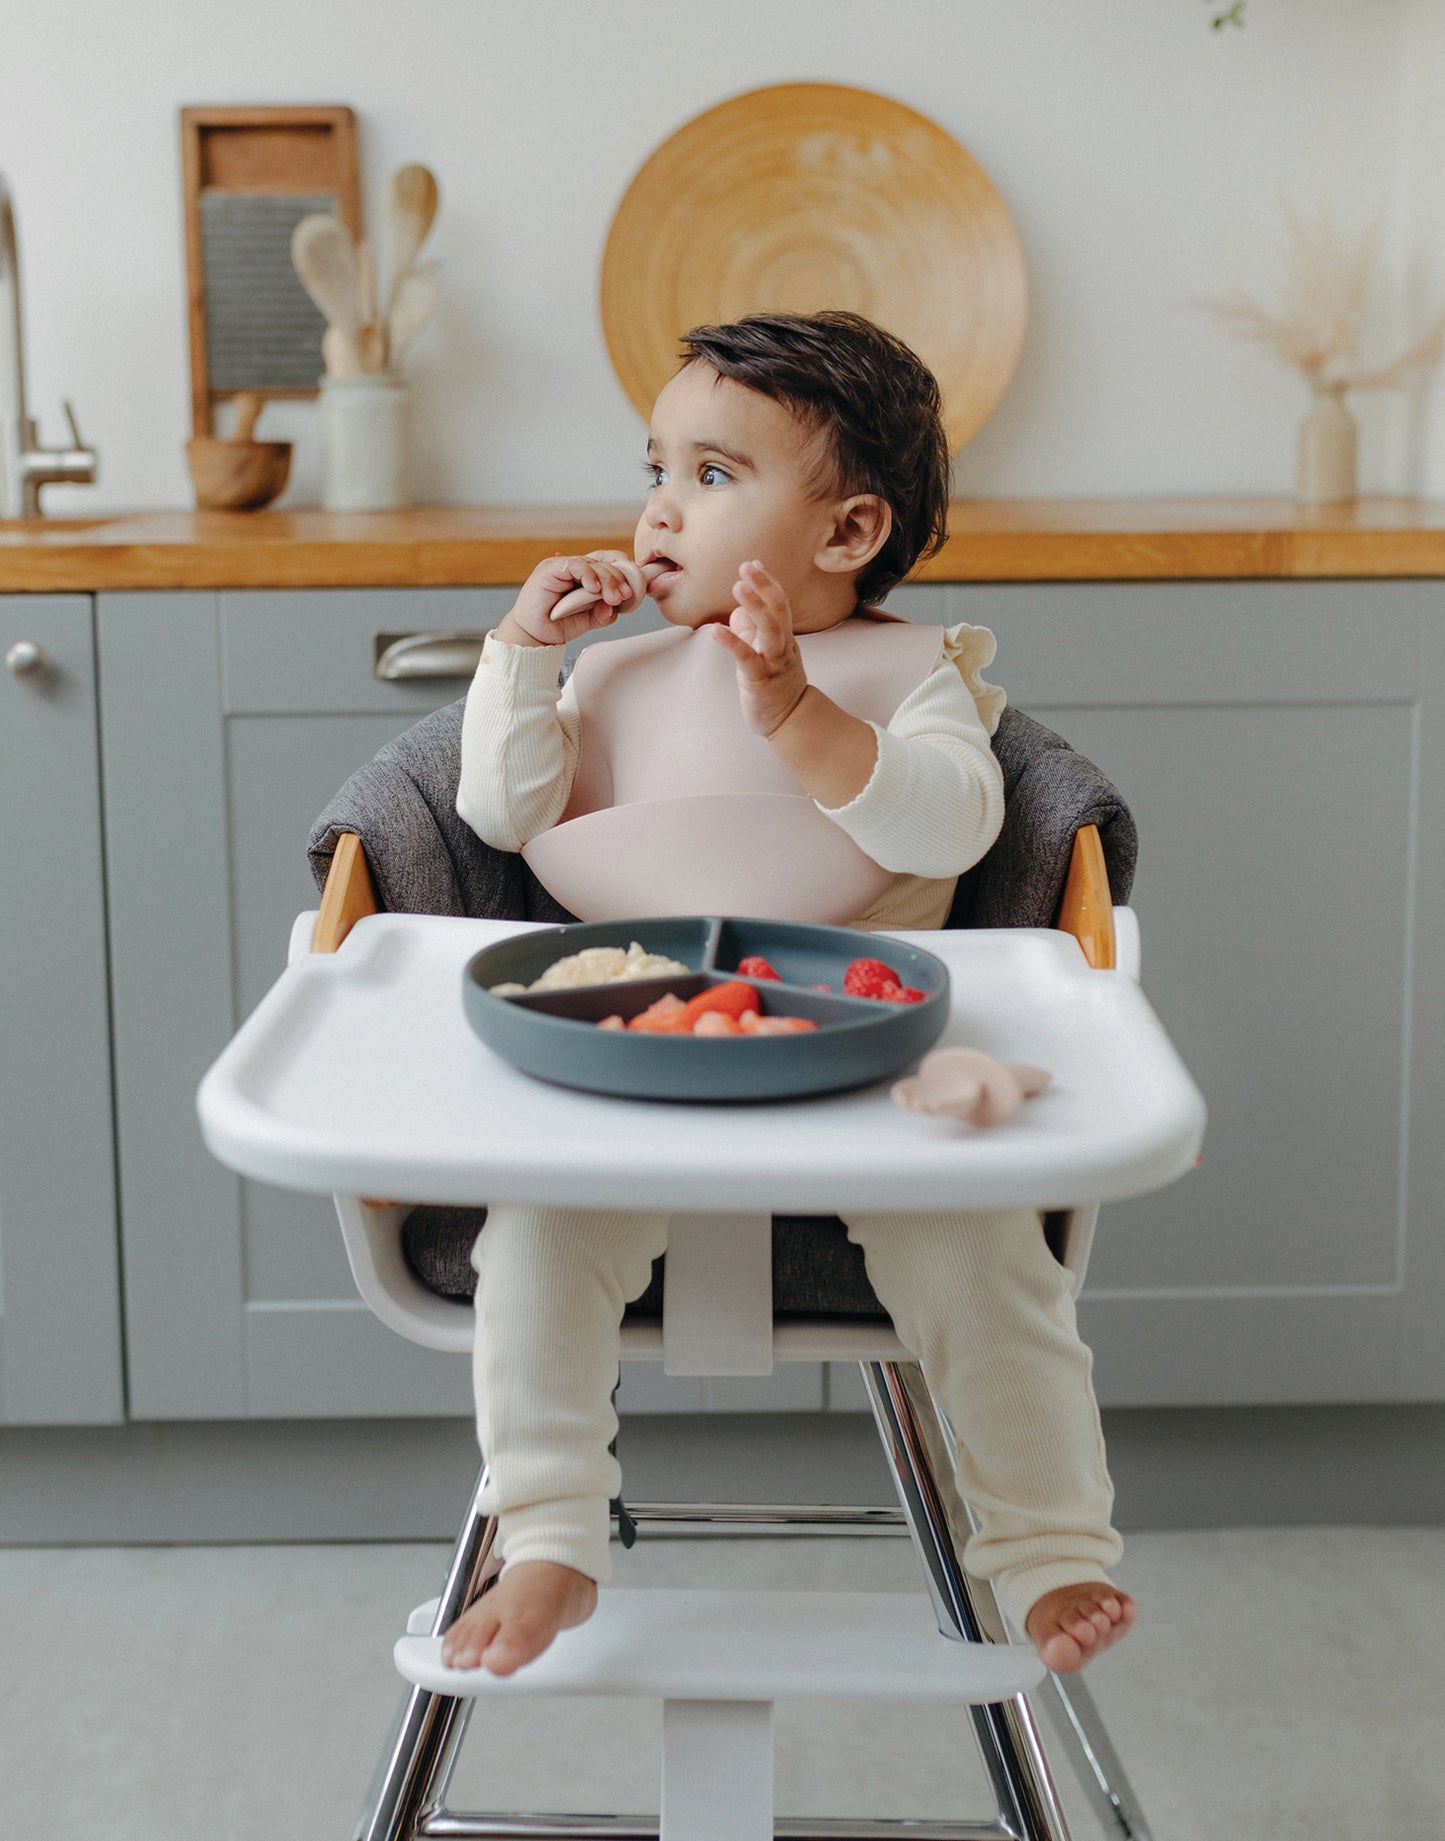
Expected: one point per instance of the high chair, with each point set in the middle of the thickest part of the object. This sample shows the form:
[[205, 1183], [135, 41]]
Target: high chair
[[391, 841]]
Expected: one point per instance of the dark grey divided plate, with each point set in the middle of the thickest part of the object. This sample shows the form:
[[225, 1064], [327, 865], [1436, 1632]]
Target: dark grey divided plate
[[554, 1034]]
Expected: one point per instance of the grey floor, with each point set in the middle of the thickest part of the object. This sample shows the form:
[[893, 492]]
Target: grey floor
[[1280, 1683]]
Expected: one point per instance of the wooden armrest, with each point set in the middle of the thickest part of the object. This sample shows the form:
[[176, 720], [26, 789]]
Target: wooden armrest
[[347, 896], [1087, 909]]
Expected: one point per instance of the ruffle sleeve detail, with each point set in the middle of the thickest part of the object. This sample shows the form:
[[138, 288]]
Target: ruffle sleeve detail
[[970, 648]]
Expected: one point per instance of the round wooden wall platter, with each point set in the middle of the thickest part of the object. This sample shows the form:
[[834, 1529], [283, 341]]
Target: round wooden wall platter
[[812, 195]]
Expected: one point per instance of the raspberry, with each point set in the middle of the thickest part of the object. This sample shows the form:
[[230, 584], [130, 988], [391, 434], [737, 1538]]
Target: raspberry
[[870, 978], [757, 968]]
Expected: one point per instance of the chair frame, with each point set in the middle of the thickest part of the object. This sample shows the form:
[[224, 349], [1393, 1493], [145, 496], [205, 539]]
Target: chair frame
[[407, 1797]]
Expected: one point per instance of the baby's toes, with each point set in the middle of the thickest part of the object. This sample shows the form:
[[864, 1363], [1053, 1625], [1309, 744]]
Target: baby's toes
[[1099, 1619], [519, 1640], [463, 1644], [1121, 1616], [1086, 1628], [1061, 1653]]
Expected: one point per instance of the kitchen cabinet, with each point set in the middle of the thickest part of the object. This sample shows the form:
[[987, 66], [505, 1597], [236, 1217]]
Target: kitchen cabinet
[[1280, 743], [60, 1333], [1282, 746], [230, 720]]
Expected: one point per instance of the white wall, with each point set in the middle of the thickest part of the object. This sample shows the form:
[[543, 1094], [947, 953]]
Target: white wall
[[1143, 156]]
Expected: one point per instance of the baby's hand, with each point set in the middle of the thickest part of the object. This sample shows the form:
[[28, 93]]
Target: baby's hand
[[759, 634], [566, 596]]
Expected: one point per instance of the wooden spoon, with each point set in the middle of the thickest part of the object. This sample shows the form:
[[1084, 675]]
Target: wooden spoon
[[324, 256], [371, 333], [365, 281], [415, 301], [248, 409], [338, 350], [411, 209]]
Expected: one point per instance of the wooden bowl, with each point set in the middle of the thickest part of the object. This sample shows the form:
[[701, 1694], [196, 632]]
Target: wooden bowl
[[812, 195], [237, 475]]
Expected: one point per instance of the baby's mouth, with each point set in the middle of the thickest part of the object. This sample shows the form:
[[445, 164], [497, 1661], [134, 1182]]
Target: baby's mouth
[[660, 569]]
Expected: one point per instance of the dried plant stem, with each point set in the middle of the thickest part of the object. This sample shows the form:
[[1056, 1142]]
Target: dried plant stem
[[1319, 324]]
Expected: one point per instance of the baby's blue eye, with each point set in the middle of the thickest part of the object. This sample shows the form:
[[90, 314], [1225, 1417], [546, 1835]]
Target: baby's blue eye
[[719, 475], [656, 474]]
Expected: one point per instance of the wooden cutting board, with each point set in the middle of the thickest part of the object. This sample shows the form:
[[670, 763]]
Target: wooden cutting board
[[812, 195]]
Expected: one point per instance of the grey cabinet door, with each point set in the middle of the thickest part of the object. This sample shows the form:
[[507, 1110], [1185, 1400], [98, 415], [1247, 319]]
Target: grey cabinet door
[[1280, 745], [229, 721], [60, 1343]]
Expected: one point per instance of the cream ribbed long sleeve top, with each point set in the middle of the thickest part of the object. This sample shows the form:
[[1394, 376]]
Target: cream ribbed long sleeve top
[[931, 808]]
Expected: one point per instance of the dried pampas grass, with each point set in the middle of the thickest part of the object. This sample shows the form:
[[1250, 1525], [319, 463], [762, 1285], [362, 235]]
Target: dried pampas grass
[[1321, 318]]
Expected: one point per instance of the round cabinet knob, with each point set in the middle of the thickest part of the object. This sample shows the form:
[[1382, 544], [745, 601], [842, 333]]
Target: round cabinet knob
[[25, 659]]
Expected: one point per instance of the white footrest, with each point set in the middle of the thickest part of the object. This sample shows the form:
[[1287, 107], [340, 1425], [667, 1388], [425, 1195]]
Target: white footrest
[[423, 1617], [747, 1646]]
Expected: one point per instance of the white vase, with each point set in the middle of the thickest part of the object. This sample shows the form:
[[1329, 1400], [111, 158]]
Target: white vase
[[1328, 442], [366, 464]]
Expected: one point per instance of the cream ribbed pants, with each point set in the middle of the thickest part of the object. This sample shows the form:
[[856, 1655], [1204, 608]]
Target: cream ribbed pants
[[978, 1297]]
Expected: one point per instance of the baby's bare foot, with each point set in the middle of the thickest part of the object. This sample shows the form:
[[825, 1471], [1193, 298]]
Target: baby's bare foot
[[1075, 1623], [515, 1621]]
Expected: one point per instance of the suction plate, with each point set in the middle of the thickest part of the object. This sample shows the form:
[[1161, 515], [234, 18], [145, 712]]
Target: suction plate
[[554, 1035]]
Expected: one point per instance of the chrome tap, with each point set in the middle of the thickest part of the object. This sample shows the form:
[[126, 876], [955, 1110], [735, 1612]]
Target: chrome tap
[[26, 466]]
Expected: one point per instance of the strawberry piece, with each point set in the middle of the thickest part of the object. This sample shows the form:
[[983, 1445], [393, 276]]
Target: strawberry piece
[[870, 978], [910, 994], [731, 999], [668, 1017], [719, 1023], [755, 967]]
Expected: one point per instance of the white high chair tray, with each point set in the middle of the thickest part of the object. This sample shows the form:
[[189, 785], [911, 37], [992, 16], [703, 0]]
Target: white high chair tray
[[359, 1073]]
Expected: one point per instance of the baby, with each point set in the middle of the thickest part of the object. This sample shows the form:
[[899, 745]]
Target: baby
[[798, 470]]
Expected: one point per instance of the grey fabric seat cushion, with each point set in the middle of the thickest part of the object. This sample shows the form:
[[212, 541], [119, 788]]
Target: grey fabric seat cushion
[[425, 860], [817, 1270], [1050, 793]]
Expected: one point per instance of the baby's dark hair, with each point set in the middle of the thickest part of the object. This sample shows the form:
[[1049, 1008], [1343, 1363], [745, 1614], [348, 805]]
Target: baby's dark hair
[[877, 403]]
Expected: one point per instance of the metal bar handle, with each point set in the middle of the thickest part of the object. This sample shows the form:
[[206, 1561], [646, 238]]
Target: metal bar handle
[[402, 656]]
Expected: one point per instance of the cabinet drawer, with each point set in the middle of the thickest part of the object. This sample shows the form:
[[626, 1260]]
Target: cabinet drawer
[[313, 651]]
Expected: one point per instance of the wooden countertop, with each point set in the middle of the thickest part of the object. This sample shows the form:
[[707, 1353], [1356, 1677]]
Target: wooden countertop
[[991, 540]]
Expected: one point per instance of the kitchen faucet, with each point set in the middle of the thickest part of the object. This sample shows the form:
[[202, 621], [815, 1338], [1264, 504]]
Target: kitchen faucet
[[25, 466]]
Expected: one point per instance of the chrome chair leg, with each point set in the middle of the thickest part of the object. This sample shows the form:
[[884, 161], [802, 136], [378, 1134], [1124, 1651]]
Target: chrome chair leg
[[1077, 1720], [1095, 1760], [1007, 1733], [417, 1765]]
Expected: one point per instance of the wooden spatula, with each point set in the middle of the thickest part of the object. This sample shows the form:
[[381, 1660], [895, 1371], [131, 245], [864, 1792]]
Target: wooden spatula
[[413, 306], [410, 211], [324, 256]]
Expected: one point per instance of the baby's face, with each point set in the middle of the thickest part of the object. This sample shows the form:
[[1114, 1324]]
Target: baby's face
[[734, 479]]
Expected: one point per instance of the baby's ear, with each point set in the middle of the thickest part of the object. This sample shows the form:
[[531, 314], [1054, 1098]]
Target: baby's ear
[[860, 529]]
